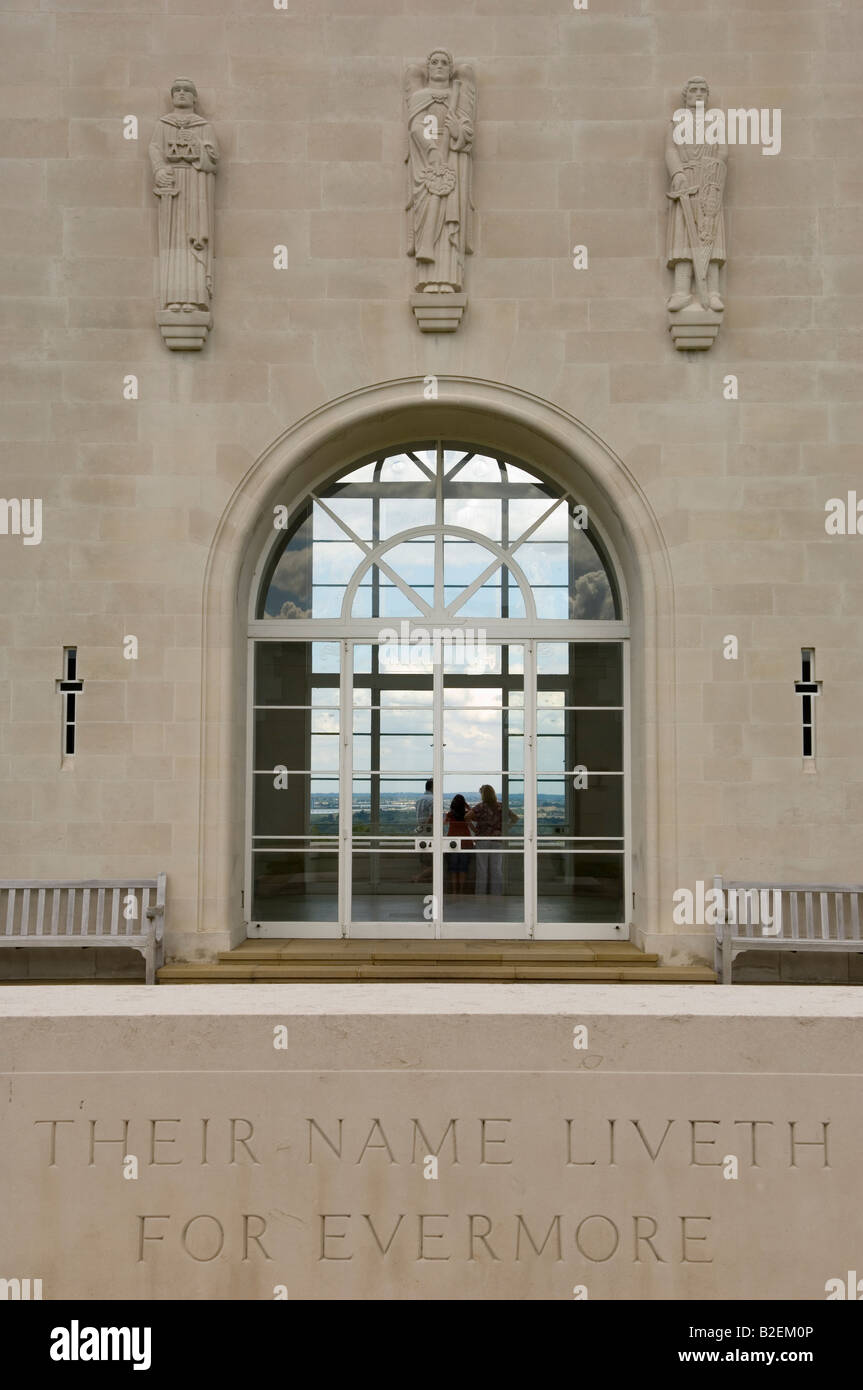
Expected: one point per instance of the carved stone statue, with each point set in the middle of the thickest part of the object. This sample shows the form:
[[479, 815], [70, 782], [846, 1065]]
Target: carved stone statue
[[185, 156], [440, 101], [695, 247]]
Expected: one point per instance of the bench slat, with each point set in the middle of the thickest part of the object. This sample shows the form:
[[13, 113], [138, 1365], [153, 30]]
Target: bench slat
[[10, 911], [810, 929], [115, 910], [795, 919], [839, 905], [40, 911], [56, 895], [855, 916], [85, 912], [126, 883], [70, 912], [825, 917], [145, 903], [25, 913], [100, 912]]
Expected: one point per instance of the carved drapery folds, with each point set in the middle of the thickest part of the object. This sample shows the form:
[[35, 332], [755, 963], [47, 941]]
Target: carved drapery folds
[[440, 107], [695, 247], [185, 156]]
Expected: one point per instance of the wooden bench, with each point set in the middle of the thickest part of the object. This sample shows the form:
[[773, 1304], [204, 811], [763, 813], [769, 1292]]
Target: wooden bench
[[812, 917], [35, 915]]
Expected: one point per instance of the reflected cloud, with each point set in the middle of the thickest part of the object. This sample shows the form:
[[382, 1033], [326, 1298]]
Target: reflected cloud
[[592, 597]]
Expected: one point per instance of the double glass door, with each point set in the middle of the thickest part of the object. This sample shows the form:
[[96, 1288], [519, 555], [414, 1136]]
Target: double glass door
[[468, 789]]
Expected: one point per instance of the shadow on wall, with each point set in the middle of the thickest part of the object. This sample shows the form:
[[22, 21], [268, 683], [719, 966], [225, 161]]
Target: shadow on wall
[[798, 968]]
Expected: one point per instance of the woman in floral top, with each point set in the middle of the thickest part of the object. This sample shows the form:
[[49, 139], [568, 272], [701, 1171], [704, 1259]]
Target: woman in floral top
[[486, 820]]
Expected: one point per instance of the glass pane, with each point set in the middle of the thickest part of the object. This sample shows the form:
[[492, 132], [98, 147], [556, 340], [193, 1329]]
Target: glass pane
[[294, 804], [484, 854], [593, 671], [580, 887], [403, 753], [413, 561], [392, 887], [364, 474], [335, 561], [473, 740], [591, 596], [482, 514], [519, 475], [567, 807], [362, 603], [355, 512], [524, 512], [591, 738], [286, 738], [544, 562], [295, 886], [387, 806], [402, 657], [393, 603], [398, 468], [464, 561], [287, 588], [514, 599], [550, 603], [403, 513], [403, 722], [284, 672], [480, 468], [485, 603]]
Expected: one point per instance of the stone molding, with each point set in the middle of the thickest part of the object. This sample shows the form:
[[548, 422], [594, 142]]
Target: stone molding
[[387, 414]]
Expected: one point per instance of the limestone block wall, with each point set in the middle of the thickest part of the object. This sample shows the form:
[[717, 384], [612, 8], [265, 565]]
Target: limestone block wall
[[307, 103]]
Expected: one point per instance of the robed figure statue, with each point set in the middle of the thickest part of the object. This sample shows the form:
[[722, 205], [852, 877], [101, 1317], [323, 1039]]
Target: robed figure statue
[[695, 246], [441, 107], [185, 156]]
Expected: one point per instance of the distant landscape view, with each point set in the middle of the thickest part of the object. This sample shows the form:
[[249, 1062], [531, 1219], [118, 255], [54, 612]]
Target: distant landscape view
[[398, 812]]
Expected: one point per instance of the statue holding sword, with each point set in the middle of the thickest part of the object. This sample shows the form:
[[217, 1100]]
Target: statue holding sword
[[696, 231]]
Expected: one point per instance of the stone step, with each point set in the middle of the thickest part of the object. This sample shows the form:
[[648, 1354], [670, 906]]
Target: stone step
[[619, 953], [432, 971]]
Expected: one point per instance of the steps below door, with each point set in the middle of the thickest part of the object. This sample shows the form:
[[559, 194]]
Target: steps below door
[[430, 961]]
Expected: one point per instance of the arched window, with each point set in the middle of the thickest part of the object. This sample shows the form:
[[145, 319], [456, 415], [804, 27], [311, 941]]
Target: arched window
[[444, 529], [438, 733]]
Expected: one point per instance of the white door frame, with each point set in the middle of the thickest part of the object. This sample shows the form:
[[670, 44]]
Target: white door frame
[[435, 927]]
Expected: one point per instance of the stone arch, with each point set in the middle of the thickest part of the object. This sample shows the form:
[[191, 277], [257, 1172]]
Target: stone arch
[[385, 415]]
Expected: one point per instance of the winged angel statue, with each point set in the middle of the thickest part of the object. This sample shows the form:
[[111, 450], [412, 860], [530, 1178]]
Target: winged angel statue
[[440, 100]]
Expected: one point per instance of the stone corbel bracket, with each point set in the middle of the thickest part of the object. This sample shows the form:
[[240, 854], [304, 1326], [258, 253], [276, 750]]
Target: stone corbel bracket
[[183, 331], [438, 313], [694, 329]]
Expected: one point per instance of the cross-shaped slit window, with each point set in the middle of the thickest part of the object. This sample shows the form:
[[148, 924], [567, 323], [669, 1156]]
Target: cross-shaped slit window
[[807, 688], [70, 688]]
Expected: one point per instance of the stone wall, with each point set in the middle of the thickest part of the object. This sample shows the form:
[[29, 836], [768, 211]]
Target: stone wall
[[572, 110], [429, 1142]]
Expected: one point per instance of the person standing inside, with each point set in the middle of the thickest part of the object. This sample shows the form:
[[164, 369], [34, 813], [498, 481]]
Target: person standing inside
[[486, 820], [425, 827], [455, 825]]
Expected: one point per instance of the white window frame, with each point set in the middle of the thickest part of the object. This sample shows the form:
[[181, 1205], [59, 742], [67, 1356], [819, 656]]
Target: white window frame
[[348, 632]]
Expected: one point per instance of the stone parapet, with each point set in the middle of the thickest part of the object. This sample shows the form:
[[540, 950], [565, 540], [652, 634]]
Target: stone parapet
[[431, 1142]]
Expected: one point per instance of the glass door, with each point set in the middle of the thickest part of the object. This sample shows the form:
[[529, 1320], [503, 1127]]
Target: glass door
[[475, 790], [482, 874], [391, 842], [437, 833]]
